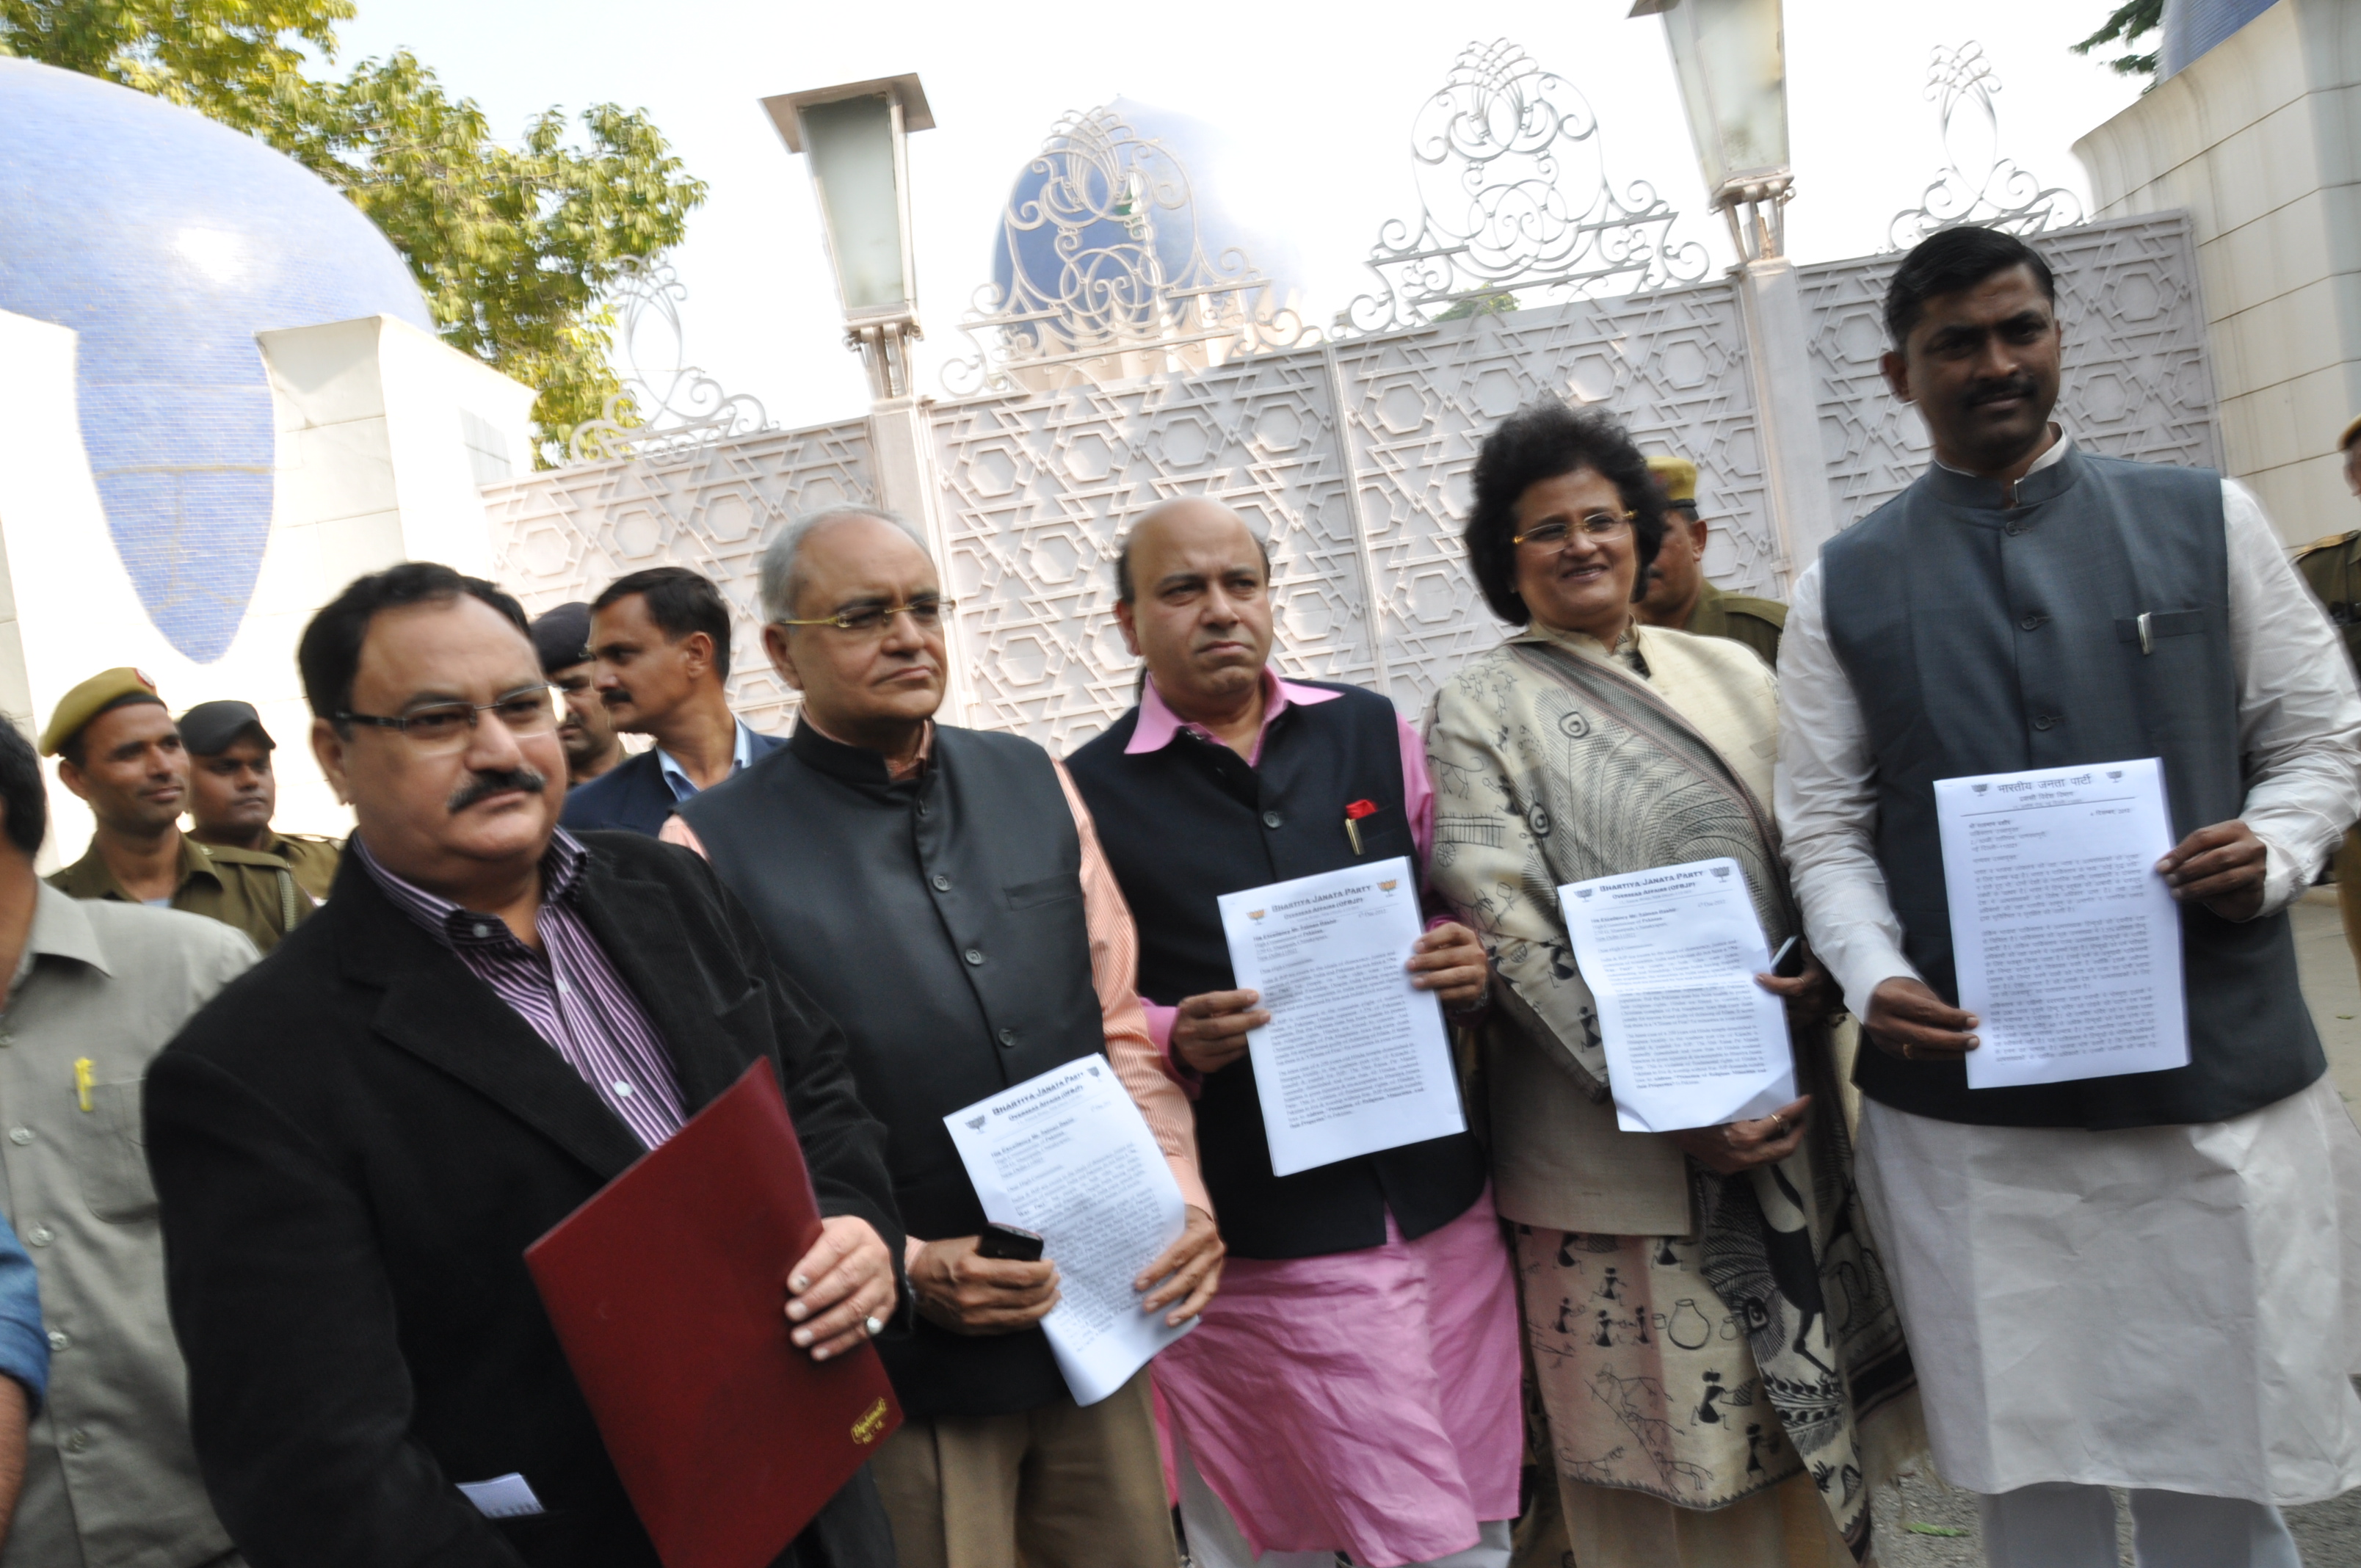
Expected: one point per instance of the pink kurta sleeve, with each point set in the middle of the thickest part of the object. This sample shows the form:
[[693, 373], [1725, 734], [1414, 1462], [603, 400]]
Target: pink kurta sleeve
[[678, 831], [1115, 974], [1418, 793]]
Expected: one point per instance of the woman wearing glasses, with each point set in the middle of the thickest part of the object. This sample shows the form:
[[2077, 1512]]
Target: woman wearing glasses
[[1714, 1344]]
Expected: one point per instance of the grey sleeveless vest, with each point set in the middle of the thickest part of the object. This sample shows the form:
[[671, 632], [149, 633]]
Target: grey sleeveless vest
[[1982, 637], [940, 922]]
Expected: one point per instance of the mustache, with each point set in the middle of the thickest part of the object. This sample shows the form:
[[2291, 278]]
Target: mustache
[[1993, 392], [483, 784]]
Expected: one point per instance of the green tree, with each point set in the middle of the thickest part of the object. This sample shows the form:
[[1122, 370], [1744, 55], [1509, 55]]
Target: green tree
[[513, 245], [2129, 22]]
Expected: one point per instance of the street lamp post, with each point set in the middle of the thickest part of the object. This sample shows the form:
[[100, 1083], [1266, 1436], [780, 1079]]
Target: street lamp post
[[1730, 57], [856, 136]]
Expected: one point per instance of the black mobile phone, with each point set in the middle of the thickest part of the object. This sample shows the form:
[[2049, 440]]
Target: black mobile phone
[[1014, 1243], [1788, 962]]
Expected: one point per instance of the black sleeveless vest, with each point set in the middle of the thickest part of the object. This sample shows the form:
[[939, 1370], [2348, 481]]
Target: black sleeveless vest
[[940, 922], [1980, 639], [1184, 825]]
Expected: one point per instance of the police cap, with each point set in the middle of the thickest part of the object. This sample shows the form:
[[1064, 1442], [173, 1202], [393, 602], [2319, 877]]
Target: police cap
[[116, 687]]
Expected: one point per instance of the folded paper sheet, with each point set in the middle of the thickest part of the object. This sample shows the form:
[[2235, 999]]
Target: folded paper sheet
[[1068, 1153], [1355, 1058], [1670, 956], [2066, 941]]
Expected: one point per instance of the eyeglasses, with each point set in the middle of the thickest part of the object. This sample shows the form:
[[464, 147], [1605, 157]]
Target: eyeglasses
[[446, 726], [868, 620], [1594, 525]]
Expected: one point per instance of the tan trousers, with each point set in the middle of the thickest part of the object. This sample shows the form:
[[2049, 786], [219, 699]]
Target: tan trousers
[[2348, 889], [1062, 1487], [1786, 1527]]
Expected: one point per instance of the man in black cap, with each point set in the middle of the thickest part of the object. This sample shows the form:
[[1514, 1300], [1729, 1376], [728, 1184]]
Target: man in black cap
[[233, 792], [562, 637]]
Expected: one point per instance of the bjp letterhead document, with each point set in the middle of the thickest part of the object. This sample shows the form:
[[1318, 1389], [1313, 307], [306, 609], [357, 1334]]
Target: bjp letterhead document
[[1355, 1058], [1066, 1154], [1670, 956], [2066, 939]]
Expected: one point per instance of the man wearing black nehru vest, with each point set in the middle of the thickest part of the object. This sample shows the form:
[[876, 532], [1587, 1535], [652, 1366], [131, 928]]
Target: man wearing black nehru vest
[[2149, 1281], [1225, 778]]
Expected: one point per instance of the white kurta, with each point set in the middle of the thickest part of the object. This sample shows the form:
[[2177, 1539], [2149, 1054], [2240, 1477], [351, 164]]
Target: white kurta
[[2176, 1308]]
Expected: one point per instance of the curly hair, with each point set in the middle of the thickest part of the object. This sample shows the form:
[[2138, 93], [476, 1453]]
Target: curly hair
[[1542, 441]]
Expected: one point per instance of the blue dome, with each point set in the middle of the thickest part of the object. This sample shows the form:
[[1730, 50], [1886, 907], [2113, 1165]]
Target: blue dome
[[167, 242], [1087, 286]]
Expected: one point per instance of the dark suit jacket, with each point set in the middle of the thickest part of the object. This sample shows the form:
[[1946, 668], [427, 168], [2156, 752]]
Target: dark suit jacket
[[633, 794], [355, 1143]]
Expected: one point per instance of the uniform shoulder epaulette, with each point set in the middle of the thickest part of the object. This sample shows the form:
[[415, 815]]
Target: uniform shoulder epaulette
[[1771, 611], [222, 854], [2301, 551]]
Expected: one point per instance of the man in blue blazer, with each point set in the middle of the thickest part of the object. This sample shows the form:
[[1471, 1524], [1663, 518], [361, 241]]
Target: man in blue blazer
[[660, 643]]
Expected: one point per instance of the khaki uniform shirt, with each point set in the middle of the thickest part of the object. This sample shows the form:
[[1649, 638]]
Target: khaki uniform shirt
[[2333, 567], [1740, 618], [111, 1475], [314, 858], [259, 895]]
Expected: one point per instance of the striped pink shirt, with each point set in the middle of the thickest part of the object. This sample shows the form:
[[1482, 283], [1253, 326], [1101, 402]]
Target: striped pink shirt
[[569, 992]]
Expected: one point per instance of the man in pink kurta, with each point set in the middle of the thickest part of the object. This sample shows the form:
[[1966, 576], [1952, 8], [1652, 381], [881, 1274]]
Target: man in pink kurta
[[1354, 1387]]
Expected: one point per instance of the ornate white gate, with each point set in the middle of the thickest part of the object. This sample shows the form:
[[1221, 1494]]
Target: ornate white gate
[[1351, 452]]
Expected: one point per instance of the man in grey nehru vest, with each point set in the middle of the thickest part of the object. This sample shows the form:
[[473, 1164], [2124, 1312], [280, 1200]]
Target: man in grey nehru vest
[[943, 893], [2149, 1281]]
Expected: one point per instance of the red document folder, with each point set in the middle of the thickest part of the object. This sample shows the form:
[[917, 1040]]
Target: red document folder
[[668, 1290]]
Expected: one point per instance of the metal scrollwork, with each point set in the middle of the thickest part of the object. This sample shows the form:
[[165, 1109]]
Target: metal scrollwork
[[1517, 208], [662, 409], [1977, 185], [1107, 276]]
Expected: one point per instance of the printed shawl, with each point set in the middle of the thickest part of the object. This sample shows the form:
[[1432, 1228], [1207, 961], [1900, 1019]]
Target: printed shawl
[[1598, 775]]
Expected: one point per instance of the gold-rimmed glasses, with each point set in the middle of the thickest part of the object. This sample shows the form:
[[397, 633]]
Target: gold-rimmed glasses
[[926, 612], [443, 727], [1555, 533]]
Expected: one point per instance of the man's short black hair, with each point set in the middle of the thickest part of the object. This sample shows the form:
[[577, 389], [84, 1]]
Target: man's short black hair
[[1950, 260], [71, 748], [21, 790], [330, 654], [1541, 440], [1126, 590], [679, 602]]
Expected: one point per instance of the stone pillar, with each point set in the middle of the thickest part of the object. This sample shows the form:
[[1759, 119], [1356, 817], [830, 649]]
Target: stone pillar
[[901, 446], [1787, 416]]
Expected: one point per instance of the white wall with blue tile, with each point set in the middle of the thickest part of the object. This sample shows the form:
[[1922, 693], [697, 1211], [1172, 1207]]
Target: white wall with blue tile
[[220, 398]]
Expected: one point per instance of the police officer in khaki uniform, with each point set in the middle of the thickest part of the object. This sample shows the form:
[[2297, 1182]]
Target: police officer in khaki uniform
[[1678, 595], [119, 750], [234, 793], [2333, 567]]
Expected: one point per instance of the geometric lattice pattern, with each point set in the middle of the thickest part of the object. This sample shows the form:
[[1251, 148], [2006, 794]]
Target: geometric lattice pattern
[[1038, 489], [1353, 459], [1418, 406], [2137, 383], [565, 534]]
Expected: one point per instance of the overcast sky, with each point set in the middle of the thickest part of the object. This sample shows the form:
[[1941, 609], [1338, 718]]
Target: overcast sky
[[1318, 99]]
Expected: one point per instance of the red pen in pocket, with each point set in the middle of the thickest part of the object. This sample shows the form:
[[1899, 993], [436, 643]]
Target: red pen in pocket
[[1353, 815]]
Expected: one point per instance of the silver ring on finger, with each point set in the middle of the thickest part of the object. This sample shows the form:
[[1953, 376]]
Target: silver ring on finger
[[870, 1327]]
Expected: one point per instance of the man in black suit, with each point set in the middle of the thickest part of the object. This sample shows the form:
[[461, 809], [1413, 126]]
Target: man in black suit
[[660, 647], [490, 1019]]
